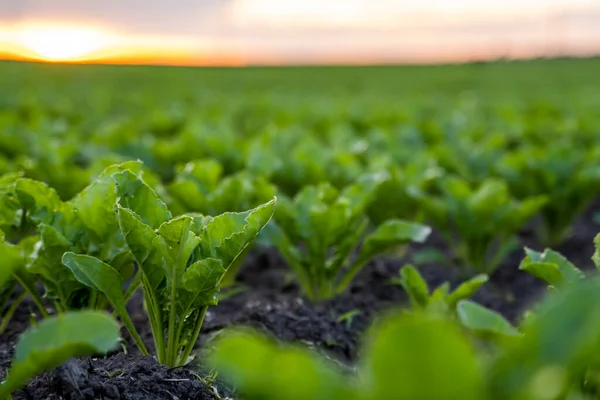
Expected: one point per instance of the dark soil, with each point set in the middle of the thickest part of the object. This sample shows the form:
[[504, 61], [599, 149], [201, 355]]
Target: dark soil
[[116, 377], [272, 303]]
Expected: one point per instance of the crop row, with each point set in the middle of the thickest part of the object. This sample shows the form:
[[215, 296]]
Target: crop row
[[117, 236]]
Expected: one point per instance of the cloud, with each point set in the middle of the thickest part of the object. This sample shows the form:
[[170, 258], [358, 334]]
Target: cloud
[[297, 29], [141, 16]]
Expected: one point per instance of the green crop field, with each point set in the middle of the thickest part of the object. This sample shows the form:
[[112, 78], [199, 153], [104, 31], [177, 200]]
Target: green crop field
[[306, 202]]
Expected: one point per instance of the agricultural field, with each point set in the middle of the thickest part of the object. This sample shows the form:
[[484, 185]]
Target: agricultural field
[[359, 233]]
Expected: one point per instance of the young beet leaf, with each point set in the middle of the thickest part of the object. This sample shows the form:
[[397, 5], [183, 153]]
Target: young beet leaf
[[480, 224], [12, 221], [103, 278], [182, 260], [56, 340], [441, 299], [596, 255], [479, 320], [319, 229], [551, 267], [484, 322], [11, 259], [199, 187]]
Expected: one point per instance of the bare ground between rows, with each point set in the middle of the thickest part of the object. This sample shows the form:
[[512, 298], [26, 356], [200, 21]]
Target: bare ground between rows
[[272, 303]]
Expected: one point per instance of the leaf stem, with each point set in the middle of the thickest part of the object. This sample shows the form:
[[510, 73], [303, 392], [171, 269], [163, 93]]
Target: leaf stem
[[133, 286], [194, 336], [132, 331], [350, 275], [156, 324], [10, 312], [173, 338], [93, 300], [28, 286]]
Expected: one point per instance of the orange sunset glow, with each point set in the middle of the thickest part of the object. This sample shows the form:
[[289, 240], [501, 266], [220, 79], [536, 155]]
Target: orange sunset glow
[[240, 32]]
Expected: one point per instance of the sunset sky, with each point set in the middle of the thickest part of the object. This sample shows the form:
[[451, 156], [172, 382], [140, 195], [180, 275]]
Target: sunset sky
[[240, 32]]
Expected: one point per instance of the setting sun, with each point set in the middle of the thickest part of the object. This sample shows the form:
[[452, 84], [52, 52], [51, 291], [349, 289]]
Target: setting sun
[[62, 43]]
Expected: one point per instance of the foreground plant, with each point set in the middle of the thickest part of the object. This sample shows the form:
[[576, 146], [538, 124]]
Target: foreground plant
[[320, 228], [555, 357], [56, 340], [479, 223], [182, 260], [85, 224]]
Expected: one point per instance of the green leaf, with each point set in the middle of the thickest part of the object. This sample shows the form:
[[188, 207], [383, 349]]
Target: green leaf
[[95, 203], [406, 353], [540, 265], [39, 199], [123, 262], [547, 272], [484, 321], [57, 339], [45, 261], [440, 294], [11, 259], [10, 210], [202, 279], [466, 289], [596, 255], [97, 275], [135, 195], [225, 236], [415, 286], [263, 370], [391, 234], [101, 277], [140, 239], [180, 242]]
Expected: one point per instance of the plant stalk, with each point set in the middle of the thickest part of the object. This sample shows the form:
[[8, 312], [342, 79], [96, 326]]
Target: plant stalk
[[190, 346], [10, 312], [33, 293], [173, 338]]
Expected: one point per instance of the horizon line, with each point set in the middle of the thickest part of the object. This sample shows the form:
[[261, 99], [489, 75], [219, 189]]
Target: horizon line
[[226, 62]]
